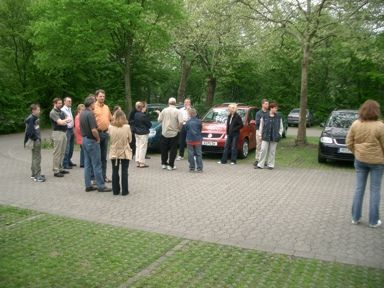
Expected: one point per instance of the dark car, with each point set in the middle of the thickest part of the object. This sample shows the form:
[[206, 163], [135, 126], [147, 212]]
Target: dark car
[[294, 117], [332, 144], [214, 129], [155, 130]]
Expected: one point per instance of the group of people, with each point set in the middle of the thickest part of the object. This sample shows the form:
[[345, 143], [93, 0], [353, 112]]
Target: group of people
[[94, 125]]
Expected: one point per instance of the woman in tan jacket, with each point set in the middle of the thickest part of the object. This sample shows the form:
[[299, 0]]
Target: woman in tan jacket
[[120, 152], [366, 141]]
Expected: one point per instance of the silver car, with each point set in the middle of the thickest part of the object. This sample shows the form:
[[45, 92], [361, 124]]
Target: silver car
[[294, 117]]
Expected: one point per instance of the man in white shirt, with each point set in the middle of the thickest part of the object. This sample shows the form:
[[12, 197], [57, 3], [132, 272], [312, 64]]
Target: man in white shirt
[[171, 121], [183, 132], [67, 163]]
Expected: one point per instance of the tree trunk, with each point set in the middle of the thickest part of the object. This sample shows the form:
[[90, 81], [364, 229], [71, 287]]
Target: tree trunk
[[185, 69], [211, 91], [301, 133], [127, 84]]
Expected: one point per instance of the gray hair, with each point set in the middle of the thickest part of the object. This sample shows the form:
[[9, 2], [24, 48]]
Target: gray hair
[[89, 101], [192, 112], [172, 101]]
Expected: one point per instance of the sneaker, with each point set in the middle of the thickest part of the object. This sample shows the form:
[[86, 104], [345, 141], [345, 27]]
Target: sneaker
[[191, 170], [91, 188], [64, 172], [58, 174], [233, 163], [179, 158], [219, 162], [72, 164], [375, 225], [355, 222], [169, 168], [199, 171], [39, 179], [255, 163], [105, 189], [163, 166]]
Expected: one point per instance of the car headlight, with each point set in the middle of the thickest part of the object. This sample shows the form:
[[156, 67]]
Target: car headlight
[[152, 132], [326, 140]]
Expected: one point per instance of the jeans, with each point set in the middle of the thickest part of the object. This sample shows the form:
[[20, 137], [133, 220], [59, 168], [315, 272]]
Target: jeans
[[194, 152], [81, 156], [168, 145], [230, 144], [92, 162], [69, 148], [182, 141], [376, 173], [116, 177], [103, 152]]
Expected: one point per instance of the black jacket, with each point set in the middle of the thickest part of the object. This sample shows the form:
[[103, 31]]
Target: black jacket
[[271, 128], [32, 129], [234, 127], [141, 124]]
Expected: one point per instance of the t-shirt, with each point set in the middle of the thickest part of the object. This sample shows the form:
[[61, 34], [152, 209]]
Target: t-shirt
[[87, 123], [170, 119], [55, 115]]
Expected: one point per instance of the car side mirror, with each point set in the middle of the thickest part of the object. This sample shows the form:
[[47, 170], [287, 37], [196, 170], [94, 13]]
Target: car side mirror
[[322, 124], [252, 122]]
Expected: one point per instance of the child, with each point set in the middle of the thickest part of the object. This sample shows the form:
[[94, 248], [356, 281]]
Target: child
[[193, 139], [32, 137]]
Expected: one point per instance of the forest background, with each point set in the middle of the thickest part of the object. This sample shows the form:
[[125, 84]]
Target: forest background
[[319, 54]]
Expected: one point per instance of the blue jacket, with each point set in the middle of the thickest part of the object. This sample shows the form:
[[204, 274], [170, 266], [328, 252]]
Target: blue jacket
[[272, 128], [32, 129], [193, 127], [141, 123]]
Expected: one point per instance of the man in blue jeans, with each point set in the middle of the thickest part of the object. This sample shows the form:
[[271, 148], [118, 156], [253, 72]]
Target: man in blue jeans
[[91, 147], [67, 162]]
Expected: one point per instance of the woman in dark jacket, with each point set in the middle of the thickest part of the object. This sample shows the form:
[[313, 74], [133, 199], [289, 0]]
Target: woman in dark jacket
[[271, 129], [234, 124], [141, 129]]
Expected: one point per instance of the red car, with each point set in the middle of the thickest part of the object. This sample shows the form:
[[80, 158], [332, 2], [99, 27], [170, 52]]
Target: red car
[[215, 125]]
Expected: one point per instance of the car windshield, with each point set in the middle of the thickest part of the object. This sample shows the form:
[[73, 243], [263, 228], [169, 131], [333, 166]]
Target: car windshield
[[152, 114], [342, 120], [295, 111], [220, 115]]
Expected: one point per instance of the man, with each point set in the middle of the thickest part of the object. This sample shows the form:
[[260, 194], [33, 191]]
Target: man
[[260, 114], [171, 121], [32, 133], [234, 124], [183, 132], [59, 125], [91, 146], [103, 119], [67, 163]]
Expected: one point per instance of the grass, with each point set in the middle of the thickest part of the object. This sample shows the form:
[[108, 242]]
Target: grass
[[41, 250]]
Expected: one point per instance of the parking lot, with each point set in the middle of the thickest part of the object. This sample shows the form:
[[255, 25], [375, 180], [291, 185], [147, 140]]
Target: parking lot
[[299, 212]]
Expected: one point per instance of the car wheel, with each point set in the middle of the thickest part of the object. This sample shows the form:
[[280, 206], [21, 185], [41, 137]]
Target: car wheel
[[321, 159], [244, 149]]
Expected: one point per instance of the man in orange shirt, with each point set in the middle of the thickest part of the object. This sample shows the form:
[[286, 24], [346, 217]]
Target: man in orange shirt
[[103, 119]]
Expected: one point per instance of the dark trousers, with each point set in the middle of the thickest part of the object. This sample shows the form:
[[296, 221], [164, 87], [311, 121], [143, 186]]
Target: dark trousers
[[168, 145], [133, 144], [182, 141], [116, 177], [69, 149], [103, 152], [230, 145]]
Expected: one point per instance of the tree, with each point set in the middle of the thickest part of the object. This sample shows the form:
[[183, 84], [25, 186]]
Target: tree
[[310, 23], [74, 34]]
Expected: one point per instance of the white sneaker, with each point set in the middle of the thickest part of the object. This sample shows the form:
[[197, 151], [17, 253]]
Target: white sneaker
[[375, 225], [169, 168], [355, 222], [179, 158], [164, 166]]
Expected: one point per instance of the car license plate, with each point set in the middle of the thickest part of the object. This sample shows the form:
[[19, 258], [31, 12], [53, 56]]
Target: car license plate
[[210, 143], [345, 150]]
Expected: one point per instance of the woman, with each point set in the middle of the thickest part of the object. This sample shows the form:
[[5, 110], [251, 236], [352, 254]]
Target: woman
[[78, 136], [366, 141], [234, 125], [142, 125], [120, 152], [271, 130]]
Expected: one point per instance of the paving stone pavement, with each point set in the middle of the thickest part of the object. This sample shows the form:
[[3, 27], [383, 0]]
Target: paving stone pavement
[[300, 212]]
